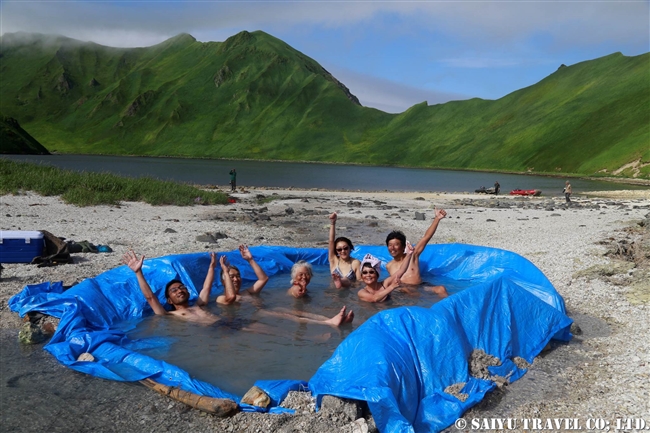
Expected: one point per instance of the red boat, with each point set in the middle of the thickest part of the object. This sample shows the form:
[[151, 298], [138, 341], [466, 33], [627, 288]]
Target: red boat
[[528, 192]]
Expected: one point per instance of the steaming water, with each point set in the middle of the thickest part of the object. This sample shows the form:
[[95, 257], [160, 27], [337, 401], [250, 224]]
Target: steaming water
[[232, 357]]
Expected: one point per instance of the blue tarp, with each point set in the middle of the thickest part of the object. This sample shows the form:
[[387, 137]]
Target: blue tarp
[[399, 361]]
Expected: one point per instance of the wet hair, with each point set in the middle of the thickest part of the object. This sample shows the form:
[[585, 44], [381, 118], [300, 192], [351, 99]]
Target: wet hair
[[396, 234], [229, 268], [298, 265], [343, 239]]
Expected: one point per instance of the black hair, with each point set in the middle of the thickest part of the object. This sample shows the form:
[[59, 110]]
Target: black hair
[[396, 234], [167, 290], [344, 239]]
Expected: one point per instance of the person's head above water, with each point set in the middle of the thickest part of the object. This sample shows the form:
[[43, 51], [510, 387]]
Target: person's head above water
[[370, 263], [343, 247], [176, 293], [235, 276], [301, 274], [396, 242]]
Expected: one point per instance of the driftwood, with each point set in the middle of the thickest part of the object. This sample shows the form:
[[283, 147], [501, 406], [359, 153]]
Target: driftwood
[[221, 407]]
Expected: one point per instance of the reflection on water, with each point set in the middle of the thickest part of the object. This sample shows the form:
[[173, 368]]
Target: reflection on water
[[303, 175], [247, 345]]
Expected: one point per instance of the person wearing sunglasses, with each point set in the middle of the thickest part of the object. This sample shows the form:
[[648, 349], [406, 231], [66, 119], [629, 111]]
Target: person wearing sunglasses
[[177, 295], [345, 270], [375, 290], [234, 275]]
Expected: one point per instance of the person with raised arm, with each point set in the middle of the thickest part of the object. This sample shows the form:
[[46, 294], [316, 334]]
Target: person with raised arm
[[176, 293], [397, 243], [234, 275], [345, 270], [375, 290]]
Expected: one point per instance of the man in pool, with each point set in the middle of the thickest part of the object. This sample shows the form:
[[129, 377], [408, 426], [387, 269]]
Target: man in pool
[[177, 296], [396, 243], [235, 276], [176, 293]]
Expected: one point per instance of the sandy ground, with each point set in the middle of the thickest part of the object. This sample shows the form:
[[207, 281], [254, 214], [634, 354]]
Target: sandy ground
[[602, 374]]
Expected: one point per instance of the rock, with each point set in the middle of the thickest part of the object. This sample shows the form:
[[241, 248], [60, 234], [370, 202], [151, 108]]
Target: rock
[[256, 397], [206, 238], [170, 231], [360, 426], [349, 410], [86, 357], [289, 211], [419, 216]]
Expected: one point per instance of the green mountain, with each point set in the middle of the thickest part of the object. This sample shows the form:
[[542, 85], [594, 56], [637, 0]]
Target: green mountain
[[15, 140], [253, 96]]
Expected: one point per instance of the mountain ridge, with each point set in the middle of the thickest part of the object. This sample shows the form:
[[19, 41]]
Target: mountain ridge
[[254, 96]]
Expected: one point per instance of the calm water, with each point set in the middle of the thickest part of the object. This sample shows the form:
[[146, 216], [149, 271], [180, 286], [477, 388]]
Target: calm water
[[303, 175], [274, 348]]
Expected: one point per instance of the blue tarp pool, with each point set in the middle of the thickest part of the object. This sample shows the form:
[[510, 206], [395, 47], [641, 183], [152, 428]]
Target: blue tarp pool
[[400, 361]]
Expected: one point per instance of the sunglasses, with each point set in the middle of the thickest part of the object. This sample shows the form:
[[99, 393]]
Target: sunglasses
[[367, 272], [342, 249]]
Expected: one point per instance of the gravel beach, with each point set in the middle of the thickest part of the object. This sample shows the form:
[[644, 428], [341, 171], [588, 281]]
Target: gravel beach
[[596, 252]]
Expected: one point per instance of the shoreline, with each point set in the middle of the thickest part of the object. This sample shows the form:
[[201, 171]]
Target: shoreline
[[569, 244], [618, 180]]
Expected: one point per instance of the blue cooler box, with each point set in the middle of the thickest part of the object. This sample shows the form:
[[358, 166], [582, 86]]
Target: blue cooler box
[[20, 246]]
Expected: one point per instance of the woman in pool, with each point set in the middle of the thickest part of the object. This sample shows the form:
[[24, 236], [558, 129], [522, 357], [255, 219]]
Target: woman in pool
[[375, 290], [345, 269], [301, 273]]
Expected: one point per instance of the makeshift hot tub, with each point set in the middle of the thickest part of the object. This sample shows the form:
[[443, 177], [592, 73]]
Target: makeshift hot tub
[[400, 360]]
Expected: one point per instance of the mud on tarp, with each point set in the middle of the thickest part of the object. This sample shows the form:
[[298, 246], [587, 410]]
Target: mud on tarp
[[400, 360]]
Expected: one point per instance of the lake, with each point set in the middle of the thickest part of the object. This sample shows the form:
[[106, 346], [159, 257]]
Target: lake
[[313, 175]]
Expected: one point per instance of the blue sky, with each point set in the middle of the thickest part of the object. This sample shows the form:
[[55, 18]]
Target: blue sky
[[391, 54]]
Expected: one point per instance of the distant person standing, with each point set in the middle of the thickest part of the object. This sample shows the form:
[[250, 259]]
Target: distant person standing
[[497, 187], [233, 180], [567, 191]]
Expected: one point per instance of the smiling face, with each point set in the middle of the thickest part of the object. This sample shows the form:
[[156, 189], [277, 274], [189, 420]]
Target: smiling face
[[369, 275], [301, 278], [177, 294], [235, 277], [395, 247], [343, 250]]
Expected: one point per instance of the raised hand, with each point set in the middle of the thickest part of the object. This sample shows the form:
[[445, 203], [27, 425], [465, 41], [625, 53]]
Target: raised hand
[[132, 261], [245, 253], [440, 213], [213, 260], [332, 217], [223, 261]]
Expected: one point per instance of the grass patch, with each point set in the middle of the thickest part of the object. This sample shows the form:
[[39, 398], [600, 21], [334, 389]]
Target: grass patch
[[89, 189]]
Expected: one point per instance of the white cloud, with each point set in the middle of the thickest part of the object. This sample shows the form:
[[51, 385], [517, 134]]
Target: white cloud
[[482, 22], [388, 95]]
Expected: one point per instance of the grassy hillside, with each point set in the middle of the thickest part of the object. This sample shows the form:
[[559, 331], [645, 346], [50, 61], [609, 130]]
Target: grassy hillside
[[14, 139], [253, 96]]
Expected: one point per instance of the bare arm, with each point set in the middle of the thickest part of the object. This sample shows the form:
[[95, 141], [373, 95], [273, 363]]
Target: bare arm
[[331, 251], [204, 296], [440, 214], [394, 278], [378, 296], [131, 260], [229, 290], [262, 278]]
